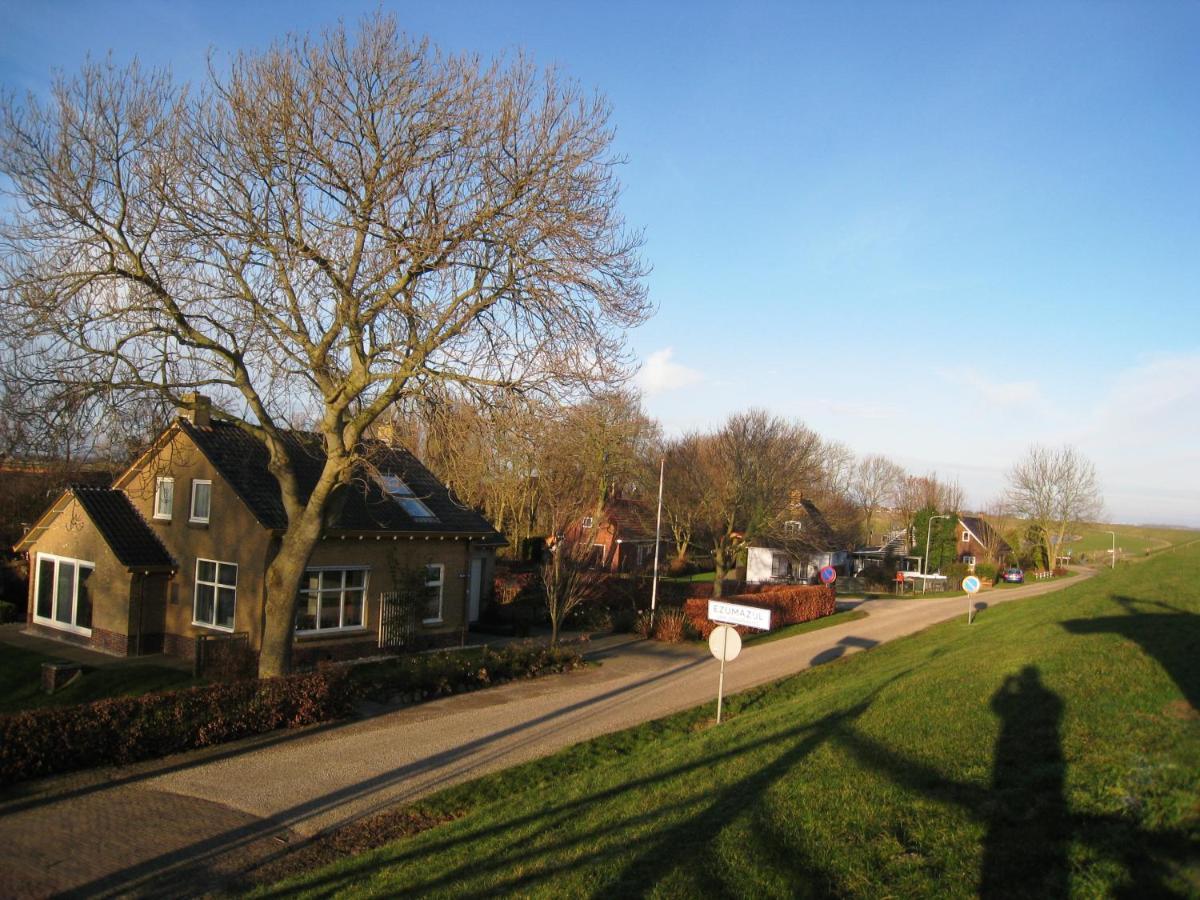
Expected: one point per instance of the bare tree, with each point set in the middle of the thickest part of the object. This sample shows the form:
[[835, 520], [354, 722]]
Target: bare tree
[[326, 228], [753, 472], [568, 578], [876, 479], [1053, 489], [684, 491]]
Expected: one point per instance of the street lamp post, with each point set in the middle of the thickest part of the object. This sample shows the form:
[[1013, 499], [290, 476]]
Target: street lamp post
[[928, 534], [1113, 563]]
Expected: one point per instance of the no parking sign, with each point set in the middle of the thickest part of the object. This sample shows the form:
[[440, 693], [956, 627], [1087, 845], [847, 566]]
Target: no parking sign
[[828, 575]]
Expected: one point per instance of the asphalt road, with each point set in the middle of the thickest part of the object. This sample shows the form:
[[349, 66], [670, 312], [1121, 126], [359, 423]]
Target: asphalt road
[[180, 825]]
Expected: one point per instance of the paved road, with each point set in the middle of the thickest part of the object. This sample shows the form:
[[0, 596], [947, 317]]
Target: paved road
[[180, 825]]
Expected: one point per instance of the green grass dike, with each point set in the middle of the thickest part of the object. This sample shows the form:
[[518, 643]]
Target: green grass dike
[[1050, 749]]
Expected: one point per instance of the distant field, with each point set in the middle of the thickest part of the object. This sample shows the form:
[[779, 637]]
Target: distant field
[[1131, 540], [1051, 749]]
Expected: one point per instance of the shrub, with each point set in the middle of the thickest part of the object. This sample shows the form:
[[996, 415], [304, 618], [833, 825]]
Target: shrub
[[414, 678], [8, 612], [1060, 571], [670, 625], [987, 570], [789, 606], [126, 729], [641, 625]]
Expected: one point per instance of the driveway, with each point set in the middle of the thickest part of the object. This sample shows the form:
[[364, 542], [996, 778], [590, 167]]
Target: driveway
[[181, 825]]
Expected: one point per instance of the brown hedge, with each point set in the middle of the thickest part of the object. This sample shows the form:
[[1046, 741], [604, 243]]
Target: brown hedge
[[789, 605], [127, 729]]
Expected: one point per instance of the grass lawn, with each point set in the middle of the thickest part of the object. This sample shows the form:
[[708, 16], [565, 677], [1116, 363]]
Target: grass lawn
[[1131, 540], [21, 681], [1053, 747]]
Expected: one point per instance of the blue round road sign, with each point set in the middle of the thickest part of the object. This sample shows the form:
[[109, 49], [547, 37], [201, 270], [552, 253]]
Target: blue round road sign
[[971, 584], [828, 575]]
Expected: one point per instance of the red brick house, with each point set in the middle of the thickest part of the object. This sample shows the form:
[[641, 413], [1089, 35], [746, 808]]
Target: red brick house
[[980, 542], [177, 549], [621, 536]]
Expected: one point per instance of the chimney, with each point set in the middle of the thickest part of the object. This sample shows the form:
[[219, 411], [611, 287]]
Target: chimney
[[197, 409]]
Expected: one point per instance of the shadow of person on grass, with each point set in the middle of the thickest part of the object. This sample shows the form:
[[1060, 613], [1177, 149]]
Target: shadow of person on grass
[[1024, 852]]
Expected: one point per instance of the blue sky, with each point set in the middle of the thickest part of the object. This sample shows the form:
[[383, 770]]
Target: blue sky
[[936, 231]]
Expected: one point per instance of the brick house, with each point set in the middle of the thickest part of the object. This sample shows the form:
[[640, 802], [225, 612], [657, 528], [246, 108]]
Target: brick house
[[621, 535], [178, 548], [977, 541]]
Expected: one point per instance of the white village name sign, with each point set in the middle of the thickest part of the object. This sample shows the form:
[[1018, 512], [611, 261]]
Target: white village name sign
[[736, 614]]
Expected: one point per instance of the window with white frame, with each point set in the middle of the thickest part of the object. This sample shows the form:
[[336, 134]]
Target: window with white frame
[[779, 565], [966, 537], [164, 497], [332, 600], [793, 527], [400, 492], [216, 594], [435, 576], [585, 522], [201, 500], [62, 596]]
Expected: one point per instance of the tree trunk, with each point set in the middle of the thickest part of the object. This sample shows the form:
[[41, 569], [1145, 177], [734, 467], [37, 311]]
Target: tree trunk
[[283, 586]]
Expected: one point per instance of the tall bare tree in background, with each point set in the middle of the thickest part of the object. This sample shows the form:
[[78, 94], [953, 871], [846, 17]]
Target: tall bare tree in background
[[324, 229], [875, 480], [1054, 489], [752, 472]]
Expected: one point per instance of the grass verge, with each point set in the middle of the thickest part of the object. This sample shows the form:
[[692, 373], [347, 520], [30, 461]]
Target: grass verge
[[1052, 747], [21, 681]]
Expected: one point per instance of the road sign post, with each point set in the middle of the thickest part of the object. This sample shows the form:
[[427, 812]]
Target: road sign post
[[971, 585], [725, 644]]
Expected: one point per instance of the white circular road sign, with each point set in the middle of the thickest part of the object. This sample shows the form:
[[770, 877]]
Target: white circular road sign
[[971, 584], [725, 643]]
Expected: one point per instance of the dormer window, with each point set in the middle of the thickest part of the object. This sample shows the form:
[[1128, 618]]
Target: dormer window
[[586, 522], [394, 487], [793, 527]]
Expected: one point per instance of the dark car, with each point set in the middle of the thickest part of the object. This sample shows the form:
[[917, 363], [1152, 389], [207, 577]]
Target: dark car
[[1013, 575]]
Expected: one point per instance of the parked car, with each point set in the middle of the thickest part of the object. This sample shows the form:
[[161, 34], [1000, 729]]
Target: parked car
[[1013, 575]]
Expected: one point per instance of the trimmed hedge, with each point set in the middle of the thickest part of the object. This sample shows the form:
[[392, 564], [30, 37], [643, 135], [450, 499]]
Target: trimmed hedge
[[127, 729], [415, 678], [789, 605], [122, 730]]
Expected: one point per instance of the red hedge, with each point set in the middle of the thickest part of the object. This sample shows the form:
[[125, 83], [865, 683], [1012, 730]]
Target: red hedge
[[126, 729], [789, 605]]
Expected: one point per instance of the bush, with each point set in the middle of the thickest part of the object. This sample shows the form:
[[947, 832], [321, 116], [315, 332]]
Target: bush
[[642, 624], [8, 612], [415, 678], [127, 729], [987, 571], [670, 625], [789, 606], [1059, 571]]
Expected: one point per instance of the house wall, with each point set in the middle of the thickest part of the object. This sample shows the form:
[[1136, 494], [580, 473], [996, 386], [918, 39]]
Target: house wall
[[232, 535], [73, 535], [758, 564], [384, 556]]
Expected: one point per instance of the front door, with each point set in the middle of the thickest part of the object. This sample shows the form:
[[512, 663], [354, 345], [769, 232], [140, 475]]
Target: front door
[[474, 590]]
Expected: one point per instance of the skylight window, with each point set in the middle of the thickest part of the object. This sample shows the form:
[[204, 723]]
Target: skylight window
[[400, 492]]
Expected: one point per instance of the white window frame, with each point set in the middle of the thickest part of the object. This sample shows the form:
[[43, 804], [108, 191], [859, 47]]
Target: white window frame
[[793, 526], [966, 537], [192, 517], [158, 487], [440, 584], [52, 622], [217, 585], [340, 628], [585, 522]]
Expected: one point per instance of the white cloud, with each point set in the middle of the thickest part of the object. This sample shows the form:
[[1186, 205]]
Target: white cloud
[[1024, 395], [660, 374]]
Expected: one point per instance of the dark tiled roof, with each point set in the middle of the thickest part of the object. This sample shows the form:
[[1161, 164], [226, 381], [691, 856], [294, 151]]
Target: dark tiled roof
[[986, 533], [361, 506], [631, 519], [123, 528]]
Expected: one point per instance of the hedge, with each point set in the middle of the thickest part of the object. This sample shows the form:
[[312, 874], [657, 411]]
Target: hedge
[[127, 729], [415, 678], [789, 605], [122, 730]]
